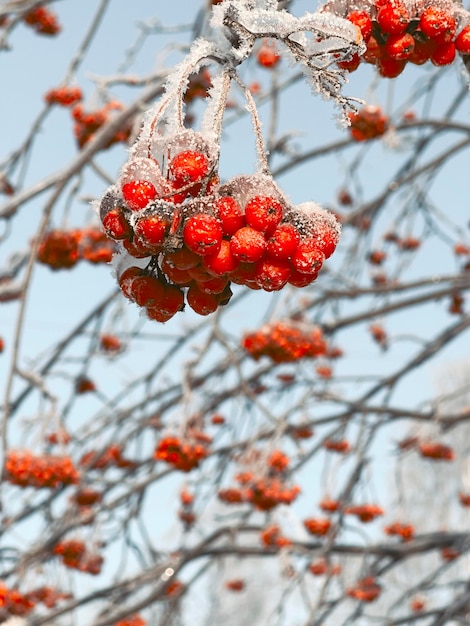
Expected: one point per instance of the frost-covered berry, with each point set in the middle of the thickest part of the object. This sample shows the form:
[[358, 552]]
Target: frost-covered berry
[[137, 194], [263, 213], [203, 234]]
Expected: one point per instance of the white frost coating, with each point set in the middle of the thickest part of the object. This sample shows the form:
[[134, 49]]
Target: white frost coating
[[142, 168], [217, 98], [310, 218], [330, 25], [244, 187], [265, 22]]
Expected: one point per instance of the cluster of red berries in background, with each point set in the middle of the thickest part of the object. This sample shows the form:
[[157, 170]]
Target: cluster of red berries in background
[[14, 602], [264, 493], [25, 469], [366, 590], [110, 457], [134, 620], [367, 123], [63, 249], [64, 96], [364, 512], [398, 32], [322, 567], [318, 526], [272, 537], [285, 342], [398, 529], [199, 236], [74, 555], [184, 456], [42, 20], [341, 446], [87, 123]]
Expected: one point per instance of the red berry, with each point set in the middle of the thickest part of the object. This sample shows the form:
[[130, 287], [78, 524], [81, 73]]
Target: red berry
[[190, 166], [393, 18], [138, 194], [136, 249], [400, 47], [268, 56], [127, 278], [272, 274], [299, 279], [326, 240], [437, 24], [115, 224], [245, 273], [200, 274], [422, 52], [390, 68], [151, 229], [183, 258], [147, 291], [174, 274], [230, 215], [352, 64], [263, 213], [462, 43], [222, 262], [283, 242], [374, 51], [444, 54], [200, 302], [248, 245], [214, 285], [173, 300], [308, 257], [363, 21], [203, 234]]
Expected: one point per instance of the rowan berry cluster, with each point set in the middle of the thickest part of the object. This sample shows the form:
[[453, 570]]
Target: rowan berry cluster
[[364, 512], [366, 590], [14, 602], [42, 20], [184, 456], [25, 469], [398, 529], [285, 342], [264, 493], [318, 526], [74, 555], [235, 584], [110, 457], [86, 497], [397, 32], [271, 536], [322, 567], [186, 513], [330, 506], [87, 123], [134, 620], [64, 96], [436, 451], [197, 236], [63, 249], [342, 446], [110, 343], [368, 123], [47, 596]]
